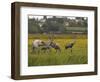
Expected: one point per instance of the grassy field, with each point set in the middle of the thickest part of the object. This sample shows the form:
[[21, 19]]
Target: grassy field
[[78, 56]]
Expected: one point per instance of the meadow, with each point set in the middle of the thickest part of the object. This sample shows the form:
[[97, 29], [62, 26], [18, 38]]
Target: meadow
[[65, 57]]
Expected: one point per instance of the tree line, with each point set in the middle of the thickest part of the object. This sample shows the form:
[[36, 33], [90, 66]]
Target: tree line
[[55, 24]]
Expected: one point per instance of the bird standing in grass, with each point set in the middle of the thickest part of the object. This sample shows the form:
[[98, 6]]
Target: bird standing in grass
[[71, 44], [56, 47], [47, 46]]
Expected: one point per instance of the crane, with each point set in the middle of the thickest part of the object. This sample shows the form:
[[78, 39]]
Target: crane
[[71, 44]]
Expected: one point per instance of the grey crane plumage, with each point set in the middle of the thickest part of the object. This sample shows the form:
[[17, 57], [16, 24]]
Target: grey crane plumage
[[51, 44], [71, 44], [47, 46]]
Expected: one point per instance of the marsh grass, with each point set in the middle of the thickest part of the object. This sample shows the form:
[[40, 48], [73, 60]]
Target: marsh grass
[[78, 56]]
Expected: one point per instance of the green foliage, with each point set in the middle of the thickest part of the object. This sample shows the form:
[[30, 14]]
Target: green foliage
[[33, 26], [55, 24]]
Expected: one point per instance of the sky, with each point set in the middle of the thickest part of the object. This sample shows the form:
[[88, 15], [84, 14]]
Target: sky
[[41, 17]]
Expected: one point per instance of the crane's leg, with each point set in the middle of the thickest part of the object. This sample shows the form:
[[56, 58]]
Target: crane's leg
[[71, 51], [56, 50]]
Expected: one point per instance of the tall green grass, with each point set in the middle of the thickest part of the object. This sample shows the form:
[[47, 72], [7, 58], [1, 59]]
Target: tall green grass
[[79, 54]]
